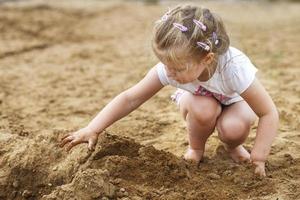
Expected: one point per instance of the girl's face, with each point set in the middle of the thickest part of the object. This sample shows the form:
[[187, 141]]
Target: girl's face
[[184, 74], [189, 72]]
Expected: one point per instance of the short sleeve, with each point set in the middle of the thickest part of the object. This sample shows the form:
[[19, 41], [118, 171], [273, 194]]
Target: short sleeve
[[162, 74], [243, 74]]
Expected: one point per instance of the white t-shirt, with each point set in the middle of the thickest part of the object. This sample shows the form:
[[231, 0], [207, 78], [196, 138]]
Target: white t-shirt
[[233, 75]]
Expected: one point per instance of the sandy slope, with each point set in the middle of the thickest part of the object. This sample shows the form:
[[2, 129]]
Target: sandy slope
[[60, 63]]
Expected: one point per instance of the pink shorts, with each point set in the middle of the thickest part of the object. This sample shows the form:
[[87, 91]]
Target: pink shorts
[[178, 94]]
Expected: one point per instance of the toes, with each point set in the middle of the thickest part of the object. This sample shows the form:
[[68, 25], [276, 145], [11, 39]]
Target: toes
[[193, 155], [238, 157]]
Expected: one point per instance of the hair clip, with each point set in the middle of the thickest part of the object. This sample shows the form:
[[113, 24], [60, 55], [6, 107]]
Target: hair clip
[[203, 45], [215, 38], [200, 24], [166, 15], [180, 27], [207, 14]]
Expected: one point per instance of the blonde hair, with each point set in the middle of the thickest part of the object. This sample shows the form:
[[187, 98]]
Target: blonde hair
[[170, 44]]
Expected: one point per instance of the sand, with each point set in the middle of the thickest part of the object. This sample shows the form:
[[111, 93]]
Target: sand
[[61, 62]]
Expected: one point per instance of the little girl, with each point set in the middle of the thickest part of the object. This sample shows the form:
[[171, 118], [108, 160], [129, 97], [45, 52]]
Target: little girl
[[217, 88]]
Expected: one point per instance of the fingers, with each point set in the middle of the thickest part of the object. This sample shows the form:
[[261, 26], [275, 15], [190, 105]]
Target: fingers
[[66, 139], [259, 168], [65, 136], [91, 145], [72, 144], [260, 171], [72, 139]]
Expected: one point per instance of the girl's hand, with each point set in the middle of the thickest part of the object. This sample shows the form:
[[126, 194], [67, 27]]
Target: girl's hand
[[259, 168], [84, 135]]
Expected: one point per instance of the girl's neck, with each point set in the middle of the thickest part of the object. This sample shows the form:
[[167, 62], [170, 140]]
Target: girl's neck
[[208, 72]]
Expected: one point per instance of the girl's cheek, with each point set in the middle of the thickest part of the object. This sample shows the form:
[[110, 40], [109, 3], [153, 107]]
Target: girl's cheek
[[169, 74]]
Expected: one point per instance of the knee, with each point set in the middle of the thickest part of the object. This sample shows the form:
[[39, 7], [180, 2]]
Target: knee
[[203, 115], [232, 130], [202, 109]]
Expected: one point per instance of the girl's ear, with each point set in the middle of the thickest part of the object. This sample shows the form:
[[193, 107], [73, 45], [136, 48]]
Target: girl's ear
[[209, 58]]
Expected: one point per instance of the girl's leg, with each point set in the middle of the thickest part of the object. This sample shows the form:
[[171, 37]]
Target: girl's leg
[[234, 126], [200, 113]]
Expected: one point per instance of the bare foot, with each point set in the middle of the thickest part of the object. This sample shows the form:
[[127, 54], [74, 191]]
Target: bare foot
[[193, 154], [238, 154]]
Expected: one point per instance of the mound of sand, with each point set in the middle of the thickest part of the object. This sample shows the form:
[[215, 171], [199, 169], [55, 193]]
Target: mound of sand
[[122, 168]]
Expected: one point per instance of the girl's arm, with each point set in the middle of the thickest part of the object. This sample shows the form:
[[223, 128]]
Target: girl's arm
[[262, 104], [119, 107], [127, 101]]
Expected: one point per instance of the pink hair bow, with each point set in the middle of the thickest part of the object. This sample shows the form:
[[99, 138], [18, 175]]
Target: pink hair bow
[[203, 45], [166, 15], [215, 38], [200, 24], [180, 27]]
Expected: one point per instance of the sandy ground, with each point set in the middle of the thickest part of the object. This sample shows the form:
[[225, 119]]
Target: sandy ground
[[61, 62]]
